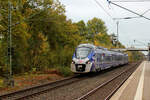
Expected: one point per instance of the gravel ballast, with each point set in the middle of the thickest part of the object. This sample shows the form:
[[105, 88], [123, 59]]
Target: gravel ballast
[[76, 90]]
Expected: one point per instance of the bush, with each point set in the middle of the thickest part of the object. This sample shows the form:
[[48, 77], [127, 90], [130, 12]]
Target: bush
[[65, 71], [1, 82]]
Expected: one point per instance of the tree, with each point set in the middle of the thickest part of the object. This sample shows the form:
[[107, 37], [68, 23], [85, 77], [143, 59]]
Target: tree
[[96, 26], [43, 37]]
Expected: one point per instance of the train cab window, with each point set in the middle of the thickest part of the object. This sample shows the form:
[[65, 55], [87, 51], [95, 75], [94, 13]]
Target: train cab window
[[94, 56], [82, 52]]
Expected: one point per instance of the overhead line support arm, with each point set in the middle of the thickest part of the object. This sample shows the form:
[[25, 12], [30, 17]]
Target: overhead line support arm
[[110, 2]]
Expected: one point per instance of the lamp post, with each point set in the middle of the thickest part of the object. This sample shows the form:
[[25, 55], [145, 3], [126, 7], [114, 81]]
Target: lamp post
[[117, 33], [117, 23]]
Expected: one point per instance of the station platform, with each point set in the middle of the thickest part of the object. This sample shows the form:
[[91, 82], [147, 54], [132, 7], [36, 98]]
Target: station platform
[[137, 86]]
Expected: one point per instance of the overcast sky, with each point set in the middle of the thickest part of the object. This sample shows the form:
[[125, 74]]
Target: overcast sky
[[129, 30]]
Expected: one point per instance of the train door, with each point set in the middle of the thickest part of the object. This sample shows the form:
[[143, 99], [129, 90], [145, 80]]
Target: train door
[[102, 62], [113, 60], [97, 62]]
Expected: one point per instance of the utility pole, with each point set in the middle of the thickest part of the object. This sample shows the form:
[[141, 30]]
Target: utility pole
[[118, 33], [11, 81]]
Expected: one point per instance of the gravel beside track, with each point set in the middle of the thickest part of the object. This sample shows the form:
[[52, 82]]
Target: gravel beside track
[[40, 88], [70, 89], [77, 89]]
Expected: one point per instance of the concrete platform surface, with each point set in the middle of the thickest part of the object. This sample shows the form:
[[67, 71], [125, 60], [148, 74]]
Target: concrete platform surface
[[137, 86]]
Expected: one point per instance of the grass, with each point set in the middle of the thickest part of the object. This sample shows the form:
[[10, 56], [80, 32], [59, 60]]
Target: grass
[[61, 70], [32, 78], [1, 82], [29, 79]]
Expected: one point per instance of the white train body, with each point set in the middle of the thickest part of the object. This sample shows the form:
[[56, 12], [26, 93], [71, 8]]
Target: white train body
[[89, 58]]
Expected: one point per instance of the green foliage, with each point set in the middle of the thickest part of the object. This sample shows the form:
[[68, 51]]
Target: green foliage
[[96, 26], [65, 71], [44, 37], [1, 82], [135, 56]]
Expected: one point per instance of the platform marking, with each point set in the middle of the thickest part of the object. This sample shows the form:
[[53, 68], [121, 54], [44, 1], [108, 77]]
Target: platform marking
[[139, 91], [123, 87]]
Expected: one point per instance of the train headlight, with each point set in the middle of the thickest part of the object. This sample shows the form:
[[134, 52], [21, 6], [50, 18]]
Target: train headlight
[[88, 62], [73, 62]]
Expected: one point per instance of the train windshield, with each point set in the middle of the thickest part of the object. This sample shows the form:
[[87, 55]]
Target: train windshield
[[82, 52]]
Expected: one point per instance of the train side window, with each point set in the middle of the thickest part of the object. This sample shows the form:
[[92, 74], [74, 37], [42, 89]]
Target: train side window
[[98, 57], [102, 57]]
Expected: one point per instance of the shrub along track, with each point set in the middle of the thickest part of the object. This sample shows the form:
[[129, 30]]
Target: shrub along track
[[67, 89]]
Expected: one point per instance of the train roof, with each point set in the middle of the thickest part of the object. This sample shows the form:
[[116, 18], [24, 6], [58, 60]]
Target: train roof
[[101, 49], [87, 45]]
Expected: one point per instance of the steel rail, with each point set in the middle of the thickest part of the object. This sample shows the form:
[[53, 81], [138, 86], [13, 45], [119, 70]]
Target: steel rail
[[52, 85], [85, 96], [115, 90], [35, 90]]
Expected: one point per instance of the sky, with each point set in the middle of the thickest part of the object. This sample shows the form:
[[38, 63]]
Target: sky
[[129, 29]]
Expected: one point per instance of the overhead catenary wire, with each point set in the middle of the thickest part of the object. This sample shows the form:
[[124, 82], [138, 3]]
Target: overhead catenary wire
[[110, 2], [132, 17], [143, 43], [130, 0], [103, 8], [145, 12]]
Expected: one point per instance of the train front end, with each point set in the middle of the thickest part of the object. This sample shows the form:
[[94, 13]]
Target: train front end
[[82, 60]]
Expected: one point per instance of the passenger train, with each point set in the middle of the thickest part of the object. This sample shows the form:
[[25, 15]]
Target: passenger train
[[90, 58]]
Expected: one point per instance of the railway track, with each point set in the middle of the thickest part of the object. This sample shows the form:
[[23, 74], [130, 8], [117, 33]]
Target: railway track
[[44, 88], [32, 91], [107, 89]]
